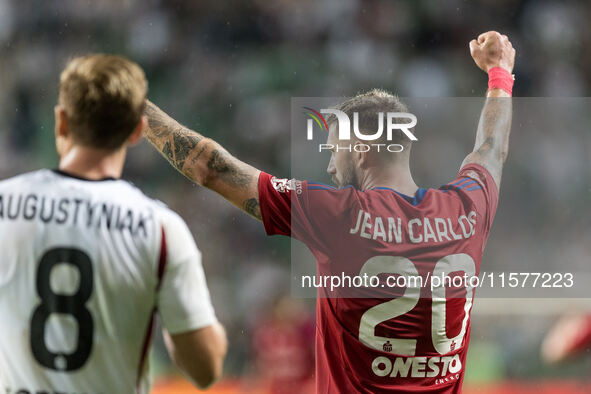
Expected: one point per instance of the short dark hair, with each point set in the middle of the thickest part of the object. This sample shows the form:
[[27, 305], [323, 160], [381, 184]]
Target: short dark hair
[[104, 97], [368, 105]]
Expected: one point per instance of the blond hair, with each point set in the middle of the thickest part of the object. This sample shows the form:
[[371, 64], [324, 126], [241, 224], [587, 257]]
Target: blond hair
[[104, 97], [368, 105]]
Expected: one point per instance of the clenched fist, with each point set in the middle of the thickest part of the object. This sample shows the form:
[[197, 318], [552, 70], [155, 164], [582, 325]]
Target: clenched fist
[[492, 49]]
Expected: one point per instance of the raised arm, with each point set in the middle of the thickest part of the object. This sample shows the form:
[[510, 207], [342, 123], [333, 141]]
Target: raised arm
[[492, 50], [204, 161]]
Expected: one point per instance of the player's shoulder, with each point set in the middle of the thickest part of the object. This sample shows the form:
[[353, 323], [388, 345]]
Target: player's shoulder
[[471, 179], [323, 189], [166, 215], [332, 198], [472, 189], [414, 200], [178, 235], [460, 185], [329, 188], [177, 232], [27, 177], [108, 190]]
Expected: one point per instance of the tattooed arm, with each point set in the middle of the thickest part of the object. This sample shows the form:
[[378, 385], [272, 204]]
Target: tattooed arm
[[492, 138], [492, 49], [204, 161]]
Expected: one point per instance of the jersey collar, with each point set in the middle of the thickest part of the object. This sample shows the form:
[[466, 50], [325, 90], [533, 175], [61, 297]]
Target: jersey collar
[[69, 175], [416, 200]]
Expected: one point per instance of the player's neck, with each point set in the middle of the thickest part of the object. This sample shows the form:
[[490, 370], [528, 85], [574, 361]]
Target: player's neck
[[91, 163], [397, 177]]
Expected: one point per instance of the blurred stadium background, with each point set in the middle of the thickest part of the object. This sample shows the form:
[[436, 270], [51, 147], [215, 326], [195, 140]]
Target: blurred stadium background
[[229, 68]]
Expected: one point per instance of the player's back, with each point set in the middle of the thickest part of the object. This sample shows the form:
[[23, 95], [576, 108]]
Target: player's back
[[411, 332], [406, 332], [79, 274]]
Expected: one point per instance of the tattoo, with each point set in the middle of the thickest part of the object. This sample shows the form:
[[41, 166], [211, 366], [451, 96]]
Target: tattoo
[[203, 160], [167, 152], [157, 122], [199, 153], [492, 136], [183, 145], [251, 206], [217, 162], [226, 169], [172, 139]]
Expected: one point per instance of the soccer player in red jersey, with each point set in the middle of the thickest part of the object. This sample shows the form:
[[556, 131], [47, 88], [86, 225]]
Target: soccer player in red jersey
[[568, 338], [377, 222]]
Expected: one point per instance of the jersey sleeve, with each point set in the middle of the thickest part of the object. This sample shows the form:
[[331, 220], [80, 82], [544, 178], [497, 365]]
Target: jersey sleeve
[[477, 184], [275, 202], [304, 210], [183, 299]]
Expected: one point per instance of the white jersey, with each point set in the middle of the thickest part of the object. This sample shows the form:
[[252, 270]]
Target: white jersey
[[84, 267]]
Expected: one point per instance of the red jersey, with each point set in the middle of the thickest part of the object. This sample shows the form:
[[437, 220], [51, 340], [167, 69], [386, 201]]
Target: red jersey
[[578, 338], [413, 339], [284, 356]]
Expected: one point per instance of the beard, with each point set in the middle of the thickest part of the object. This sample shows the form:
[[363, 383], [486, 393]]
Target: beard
[[348, 175]]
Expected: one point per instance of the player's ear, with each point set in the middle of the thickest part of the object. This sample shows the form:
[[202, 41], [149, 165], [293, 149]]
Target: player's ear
[[137, 133], [362, 158], [62, 141], [61, 122]]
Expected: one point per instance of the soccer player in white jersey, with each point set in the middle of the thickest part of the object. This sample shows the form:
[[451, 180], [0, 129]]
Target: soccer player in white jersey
[[89, 261]]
